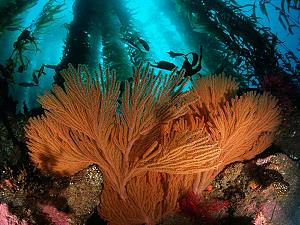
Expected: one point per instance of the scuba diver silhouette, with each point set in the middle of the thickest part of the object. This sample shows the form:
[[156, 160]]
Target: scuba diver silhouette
[[190, 68]]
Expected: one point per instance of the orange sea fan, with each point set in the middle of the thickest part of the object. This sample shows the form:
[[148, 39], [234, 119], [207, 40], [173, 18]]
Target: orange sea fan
[[242, 123], [81, 126], [235, 123], [75, 130], [154, 145], [211, 91], [151, 197], [243, 126]]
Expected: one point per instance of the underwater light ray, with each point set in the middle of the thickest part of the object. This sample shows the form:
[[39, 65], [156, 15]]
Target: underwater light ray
[[161, 33]]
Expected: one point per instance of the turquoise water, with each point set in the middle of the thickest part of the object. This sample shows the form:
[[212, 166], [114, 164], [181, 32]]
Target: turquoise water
[[150, 18]]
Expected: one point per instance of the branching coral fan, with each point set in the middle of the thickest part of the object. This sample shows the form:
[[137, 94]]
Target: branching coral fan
[[160, 143]]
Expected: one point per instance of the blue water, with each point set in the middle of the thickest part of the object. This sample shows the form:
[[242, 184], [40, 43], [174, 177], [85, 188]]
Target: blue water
[[160, 32]]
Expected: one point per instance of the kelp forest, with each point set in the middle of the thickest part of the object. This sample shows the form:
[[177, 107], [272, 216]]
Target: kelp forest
[[162, 112]]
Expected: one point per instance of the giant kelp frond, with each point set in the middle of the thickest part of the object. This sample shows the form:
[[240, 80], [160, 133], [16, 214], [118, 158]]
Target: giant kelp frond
[[10, 10], [252, 47], [115, 55], [48, 15], [284, 9]]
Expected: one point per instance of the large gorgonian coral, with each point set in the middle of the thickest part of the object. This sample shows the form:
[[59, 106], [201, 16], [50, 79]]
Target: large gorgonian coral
[[160, 143], [243, 126]]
